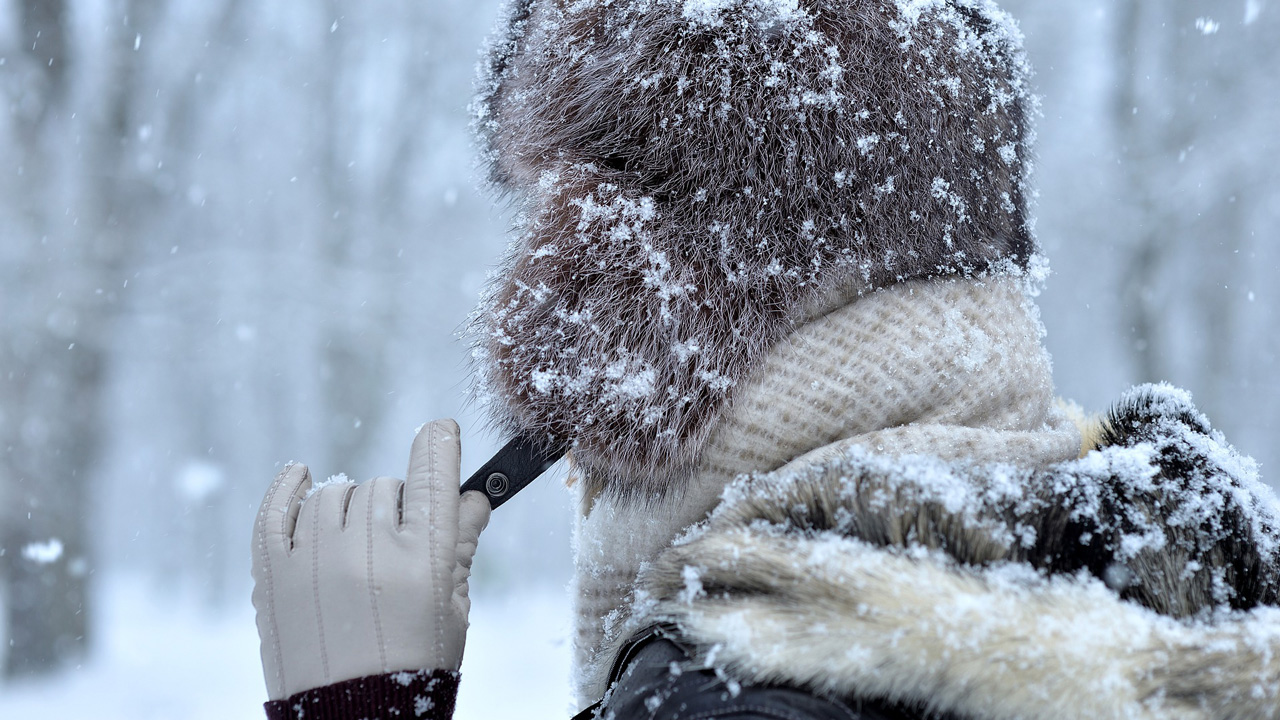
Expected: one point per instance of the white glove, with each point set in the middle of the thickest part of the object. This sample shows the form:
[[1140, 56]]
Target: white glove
[[356, 580]]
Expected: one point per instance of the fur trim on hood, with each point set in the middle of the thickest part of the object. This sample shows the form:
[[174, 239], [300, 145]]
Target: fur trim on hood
[[1137, 582], [697, 176]]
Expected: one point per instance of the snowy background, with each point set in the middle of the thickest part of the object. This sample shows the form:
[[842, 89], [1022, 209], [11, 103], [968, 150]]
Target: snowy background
[[235, 233]]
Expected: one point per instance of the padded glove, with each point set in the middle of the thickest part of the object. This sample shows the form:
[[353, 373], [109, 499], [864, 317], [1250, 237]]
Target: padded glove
[[352, 580]]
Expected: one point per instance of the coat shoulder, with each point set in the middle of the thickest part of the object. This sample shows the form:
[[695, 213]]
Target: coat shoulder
[[997, 591]]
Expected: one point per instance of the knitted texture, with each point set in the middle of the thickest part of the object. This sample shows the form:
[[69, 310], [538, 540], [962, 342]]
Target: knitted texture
[[692, 176], [422, 694], [951, 368]]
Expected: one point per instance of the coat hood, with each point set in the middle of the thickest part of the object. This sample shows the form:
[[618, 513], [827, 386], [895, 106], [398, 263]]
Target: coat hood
[[696, 177]]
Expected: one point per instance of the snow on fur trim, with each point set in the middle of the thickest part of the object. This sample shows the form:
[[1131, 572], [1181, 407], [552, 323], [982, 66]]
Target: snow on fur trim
[[694, 175], [999, 643], [1139, 581]]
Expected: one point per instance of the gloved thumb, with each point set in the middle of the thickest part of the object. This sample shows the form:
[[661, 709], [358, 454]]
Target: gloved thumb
[[473, 518]]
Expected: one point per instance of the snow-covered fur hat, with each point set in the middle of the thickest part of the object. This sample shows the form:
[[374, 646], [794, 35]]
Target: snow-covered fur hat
[[696, 177]]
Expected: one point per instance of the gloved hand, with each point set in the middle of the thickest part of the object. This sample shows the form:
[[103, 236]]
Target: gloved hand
[[356, 580]]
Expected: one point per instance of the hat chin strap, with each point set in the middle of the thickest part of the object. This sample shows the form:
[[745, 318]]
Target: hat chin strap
[[518, 463]]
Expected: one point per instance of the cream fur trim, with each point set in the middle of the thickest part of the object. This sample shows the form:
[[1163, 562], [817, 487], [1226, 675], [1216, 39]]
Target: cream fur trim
[[995, 643], [955, 586], [1090, 426]]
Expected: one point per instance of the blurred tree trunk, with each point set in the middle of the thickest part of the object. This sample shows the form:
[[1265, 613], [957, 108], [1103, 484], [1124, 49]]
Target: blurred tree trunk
[[83, 211], [353, 356], [197, 557], [53, 367], [1139, 134], [1177, 96]]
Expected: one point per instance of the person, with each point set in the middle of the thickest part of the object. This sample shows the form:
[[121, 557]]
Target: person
[[773, 283]]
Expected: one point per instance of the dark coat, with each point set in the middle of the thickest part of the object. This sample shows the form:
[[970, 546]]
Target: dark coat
[[1138, 581]]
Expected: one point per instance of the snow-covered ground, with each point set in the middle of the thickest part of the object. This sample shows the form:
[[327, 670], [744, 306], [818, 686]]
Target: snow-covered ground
[[158, 661]]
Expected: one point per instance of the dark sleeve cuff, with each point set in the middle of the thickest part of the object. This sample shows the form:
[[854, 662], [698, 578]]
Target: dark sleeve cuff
[[408, 695]]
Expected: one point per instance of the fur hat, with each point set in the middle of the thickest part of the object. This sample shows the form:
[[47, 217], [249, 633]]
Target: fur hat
[[695, 176]]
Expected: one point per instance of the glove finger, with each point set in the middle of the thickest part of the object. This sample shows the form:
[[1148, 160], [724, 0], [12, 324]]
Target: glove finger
[[473, 518], [431, 484], [272, 540], [324, 514], [302, 620], [278, 514], [431, 511], [346, 600], [382, 502]]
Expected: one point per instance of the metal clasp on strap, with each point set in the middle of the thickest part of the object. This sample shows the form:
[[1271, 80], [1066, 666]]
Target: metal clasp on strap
[[517, 464]]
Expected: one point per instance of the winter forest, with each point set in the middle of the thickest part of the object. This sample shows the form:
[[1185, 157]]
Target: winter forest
[[236, 233]]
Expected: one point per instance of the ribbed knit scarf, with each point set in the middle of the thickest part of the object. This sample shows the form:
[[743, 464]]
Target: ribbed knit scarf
[[950, 368]]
